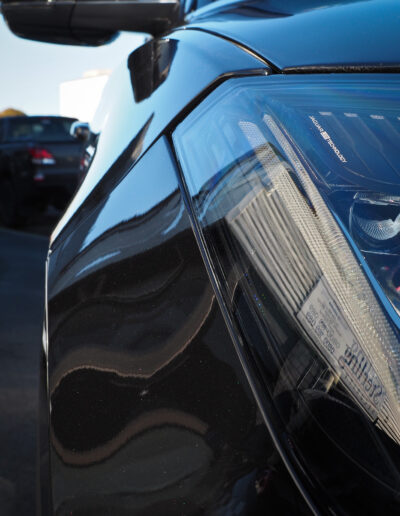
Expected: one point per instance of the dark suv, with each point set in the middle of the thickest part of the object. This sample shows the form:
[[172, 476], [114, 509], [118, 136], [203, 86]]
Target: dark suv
[[39, 165]]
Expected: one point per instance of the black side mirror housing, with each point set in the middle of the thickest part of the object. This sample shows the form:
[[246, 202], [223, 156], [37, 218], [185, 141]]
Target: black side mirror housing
[[88, 22], [80, 131]]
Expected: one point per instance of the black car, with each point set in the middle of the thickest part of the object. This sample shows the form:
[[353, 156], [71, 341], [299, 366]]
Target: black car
[[223, 292], [39, 165]]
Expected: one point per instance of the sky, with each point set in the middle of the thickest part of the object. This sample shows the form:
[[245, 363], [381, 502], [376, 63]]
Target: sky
[[31, 71]]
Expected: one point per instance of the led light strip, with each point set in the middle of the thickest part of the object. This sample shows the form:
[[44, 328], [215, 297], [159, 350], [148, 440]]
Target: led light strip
[[301, 253]]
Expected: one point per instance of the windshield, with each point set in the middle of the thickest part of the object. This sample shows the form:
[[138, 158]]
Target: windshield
[[41, 129]]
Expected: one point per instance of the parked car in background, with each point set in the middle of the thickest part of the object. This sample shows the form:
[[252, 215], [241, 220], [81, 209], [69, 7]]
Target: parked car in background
[[39, 165], [222, 330]]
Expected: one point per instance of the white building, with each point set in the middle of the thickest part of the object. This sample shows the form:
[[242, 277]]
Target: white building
[[79, 98]]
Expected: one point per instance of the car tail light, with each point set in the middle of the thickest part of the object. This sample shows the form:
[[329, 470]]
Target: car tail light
[[294, 186], [41, 156]]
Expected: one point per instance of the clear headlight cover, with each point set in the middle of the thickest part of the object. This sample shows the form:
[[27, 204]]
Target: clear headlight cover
[[295, 185]]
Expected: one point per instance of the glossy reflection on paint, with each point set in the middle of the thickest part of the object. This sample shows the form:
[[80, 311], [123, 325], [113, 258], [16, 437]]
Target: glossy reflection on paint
[[151, 412]]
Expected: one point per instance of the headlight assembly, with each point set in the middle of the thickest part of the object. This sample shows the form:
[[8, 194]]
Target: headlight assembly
[[295, 184]]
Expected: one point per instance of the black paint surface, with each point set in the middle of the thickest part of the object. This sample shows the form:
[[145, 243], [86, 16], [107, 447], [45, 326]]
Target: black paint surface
[[151, 411]]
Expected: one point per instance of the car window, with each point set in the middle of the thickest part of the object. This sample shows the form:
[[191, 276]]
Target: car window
[[39, 129]]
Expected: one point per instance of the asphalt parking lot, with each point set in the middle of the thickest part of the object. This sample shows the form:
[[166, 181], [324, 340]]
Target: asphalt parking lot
[[22, 262]]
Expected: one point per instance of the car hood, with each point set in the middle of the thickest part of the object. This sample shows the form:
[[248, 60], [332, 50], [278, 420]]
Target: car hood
[[306, 35]]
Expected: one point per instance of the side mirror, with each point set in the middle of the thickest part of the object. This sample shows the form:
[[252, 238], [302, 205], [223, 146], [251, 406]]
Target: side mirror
[[80, 131], [88, 22]]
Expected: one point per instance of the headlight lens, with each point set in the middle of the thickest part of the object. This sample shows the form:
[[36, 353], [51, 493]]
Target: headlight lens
[[295, 183]]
